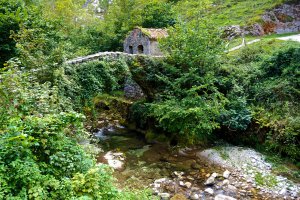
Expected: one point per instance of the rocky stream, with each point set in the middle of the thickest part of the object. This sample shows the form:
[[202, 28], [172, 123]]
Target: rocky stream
[[222, 173]]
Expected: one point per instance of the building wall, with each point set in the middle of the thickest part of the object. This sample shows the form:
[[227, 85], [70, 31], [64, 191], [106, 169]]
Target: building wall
[[137, 38], [154, 48]]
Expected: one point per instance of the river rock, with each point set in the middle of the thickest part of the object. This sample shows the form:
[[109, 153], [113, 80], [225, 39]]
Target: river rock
[[225, 182], [181, 183], [195, 197], [188, 184], [161, 180], [209, 191], [195, 189], [211, 179], [223, 197], [164, 196], [115, 160], [226, 174], [283, 191], [232, 188]]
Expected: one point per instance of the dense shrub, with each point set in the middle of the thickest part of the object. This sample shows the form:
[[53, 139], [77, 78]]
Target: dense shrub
[[39, 156], [82, 82], [277, 92]]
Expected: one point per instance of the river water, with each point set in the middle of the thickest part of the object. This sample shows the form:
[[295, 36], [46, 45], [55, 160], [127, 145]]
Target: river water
[[144, 163]]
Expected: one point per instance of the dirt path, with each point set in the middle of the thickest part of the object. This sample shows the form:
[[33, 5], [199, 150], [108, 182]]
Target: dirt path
[[292, 37]]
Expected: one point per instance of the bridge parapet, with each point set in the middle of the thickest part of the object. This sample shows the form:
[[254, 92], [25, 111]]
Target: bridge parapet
[[110, 55]]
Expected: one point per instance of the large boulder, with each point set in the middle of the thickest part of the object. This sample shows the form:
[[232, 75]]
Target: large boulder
[[283, 19]]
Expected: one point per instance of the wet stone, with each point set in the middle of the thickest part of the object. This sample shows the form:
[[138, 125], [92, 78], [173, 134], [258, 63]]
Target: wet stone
[[195, 197], [164, 196], [209, 191], [223, 197]]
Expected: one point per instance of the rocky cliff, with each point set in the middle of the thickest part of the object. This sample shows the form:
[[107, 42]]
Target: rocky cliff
[[283, 19]]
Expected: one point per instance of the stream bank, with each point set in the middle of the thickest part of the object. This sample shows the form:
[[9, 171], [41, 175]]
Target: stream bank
[[190, 173]]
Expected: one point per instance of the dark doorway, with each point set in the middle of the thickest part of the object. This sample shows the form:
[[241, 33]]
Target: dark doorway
[[130, 49], [140, 49]]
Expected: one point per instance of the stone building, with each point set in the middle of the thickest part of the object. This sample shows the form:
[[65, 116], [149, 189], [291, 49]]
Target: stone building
[[144, 41]]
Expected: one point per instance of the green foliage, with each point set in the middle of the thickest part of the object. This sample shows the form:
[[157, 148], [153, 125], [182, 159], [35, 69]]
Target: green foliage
[[11, 14], [158, 15], [95, 184], [265, 180], [268, 72], [236, 116], [193, 117], [139, 114], [277, 91], [196, 44], [39, 157], [147, 73], [84, 81]]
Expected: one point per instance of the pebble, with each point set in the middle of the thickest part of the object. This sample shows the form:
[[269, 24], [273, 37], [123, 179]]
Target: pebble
[[223, 197], [232, 188], [215, 175], [225, 182], [164, 196], [195, 197], [209, 191], [226, 174], [210, 181], [181, 183], [195, 189], [160, 180], [188, 184], [283, 191]]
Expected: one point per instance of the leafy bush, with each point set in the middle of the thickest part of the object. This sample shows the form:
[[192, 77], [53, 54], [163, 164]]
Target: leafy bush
[[11, 14], [236, 116], [39, 156], [276, 91], [193, 118], [158, 15], [84, 81]]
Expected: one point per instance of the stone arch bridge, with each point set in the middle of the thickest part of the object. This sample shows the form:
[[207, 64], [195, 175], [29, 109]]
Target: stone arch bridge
[[135, 87]]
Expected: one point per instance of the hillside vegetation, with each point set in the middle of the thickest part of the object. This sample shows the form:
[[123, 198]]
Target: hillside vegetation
[[229, 12]]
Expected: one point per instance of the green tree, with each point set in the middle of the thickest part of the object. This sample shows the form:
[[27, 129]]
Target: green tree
[[11, 15], [158, 15]]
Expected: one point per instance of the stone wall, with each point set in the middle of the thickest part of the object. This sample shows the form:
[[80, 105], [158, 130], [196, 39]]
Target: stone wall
[[135, 39], [132, 90]]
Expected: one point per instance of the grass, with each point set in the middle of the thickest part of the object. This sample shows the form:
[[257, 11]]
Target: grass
[[267, 180], [283, 167], [220, 149]]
